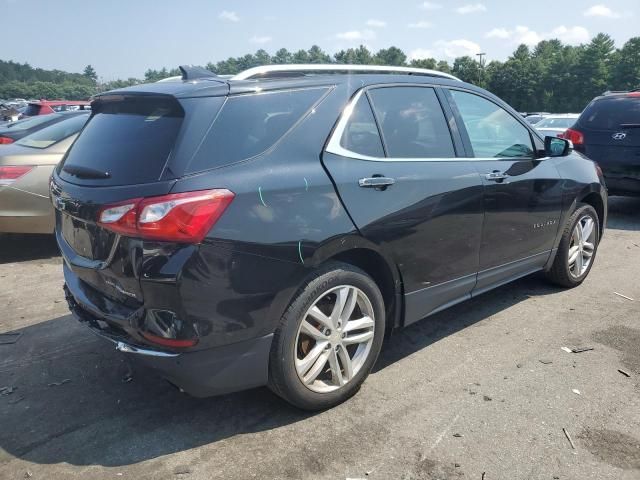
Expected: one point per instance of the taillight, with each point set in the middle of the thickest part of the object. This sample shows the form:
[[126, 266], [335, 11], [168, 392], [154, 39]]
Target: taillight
[[5, 140], [576, 137], [177, 217], [8, 175]]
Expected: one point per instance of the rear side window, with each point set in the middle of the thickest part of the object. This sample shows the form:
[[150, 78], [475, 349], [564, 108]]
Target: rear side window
[[53, 134], [130, 138], [248, 125], [412, 122], [492, 131], [361, 133], [611, 113]]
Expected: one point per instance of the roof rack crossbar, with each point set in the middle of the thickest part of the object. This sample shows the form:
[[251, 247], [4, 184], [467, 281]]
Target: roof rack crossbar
[[267, 71]]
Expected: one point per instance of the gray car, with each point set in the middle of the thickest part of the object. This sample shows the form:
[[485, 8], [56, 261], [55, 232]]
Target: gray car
[[25, 169]]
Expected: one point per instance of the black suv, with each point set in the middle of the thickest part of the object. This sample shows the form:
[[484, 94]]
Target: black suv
[[608, 132], [270, 228]]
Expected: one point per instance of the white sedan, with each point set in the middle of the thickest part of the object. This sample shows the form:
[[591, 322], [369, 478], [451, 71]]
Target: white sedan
[[554, 125]]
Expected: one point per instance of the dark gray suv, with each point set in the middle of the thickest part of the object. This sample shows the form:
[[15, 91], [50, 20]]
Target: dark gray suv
[[270, 228]]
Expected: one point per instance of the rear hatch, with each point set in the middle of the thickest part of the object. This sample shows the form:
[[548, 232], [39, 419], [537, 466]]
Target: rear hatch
[[611, 134], [123, 153]]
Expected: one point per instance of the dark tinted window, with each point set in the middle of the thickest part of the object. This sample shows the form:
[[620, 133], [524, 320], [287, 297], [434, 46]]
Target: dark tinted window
[[611, 113], [493, 132], [28, 123], [250, 124], [361, 133], [32, 110], [130, 138], [413, 124], [53, 134]]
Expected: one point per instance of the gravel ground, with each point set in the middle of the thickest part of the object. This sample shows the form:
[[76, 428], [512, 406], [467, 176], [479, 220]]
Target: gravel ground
[[482, 390]]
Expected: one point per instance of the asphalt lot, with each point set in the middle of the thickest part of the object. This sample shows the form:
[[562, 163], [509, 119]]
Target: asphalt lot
[[481, 389]]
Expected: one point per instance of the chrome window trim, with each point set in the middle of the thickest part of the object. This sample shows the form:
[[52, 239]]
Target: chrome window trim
[[334, 147]]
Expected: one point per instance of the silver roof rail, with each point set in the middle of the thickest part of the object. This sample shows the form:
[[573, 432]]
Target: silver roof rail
[[281, 70]]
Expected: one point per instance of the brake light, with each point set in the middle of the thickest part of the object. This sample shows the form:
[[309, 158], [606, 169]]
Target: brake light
[[177, 217], [8, 175], [5, 140], [170, 342], [576, 137]]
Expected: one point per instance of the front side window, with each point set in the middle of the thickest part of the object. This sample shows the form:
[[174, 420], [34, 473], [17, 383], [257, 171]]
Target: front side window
[[492, 131], [361, 133], [412, 122]]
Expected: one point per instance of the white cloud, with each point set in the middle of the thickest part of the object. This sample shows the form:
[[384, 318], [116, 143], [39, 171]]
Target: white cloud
[[372, 22], [521, 34], [420, 53], [420, 24], [471, 8], [600, 11], [260, 40], [356, 35], [458, 48], [230, 16], [430, 6]]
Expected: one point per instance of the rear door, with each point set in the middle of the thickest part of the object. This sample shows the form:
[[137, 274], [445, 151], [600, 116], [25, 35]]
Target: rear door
[[611, 135], [522, 193], [394, 159]]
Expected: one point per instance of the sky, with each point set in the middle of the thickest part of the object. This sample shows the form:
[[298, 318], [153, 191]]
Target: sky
[[123, 38]]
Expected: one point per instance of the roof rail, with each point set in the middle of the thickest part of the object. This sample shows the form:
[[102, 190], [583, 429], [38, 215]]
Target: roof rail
[[280, 70]]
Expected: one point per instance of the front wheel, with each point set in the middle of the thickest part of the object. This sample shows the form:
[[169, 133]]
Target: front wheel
[[328, 339], [577, 249]]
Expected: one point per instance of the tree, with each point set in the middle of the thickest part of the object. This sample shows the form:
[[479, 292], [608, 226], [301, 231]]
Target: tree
[[282, 56], [466, 69], [390, 56], [626, 70], [354, 56], [592, 70], [317, 55], [429, 63], [90, 73]]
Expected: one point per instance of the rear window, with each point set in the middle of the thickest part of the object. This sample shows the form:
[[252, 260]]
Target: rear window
[[53, 134], [27, 123], [611, 113], [248, 125], [559, 122], [130, 138]]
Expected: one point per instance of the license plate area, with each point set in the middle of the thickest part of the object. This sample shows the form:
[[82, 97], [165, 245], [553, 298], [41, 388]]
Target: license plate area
[[86, 239]]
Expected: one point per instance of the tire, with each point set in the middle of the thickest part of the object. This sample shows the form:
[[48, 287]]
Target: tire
[[563, 272], [295, 344]]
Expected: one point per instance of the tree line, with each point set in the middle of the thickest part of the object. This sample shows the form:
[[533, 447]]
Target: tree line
[[550, 76]]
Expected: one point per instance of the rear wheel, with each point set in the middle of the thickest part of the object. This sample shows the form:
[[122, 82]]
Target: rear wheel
[[328, 339], [577, 249]]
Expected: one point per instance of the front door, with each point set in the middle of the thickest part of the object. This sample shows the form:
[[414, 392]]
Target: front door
[[393, 160], [523, 193]]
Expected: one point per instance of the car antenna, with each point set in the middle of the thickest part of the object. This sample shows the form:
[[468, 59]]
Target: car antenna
[[191, 72]]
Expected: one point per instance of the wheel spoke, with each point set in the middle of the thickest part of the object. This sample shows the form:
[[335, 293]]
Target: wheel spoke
[[579, 234], [587, 229], [320, 317], [317, 367], [587, 253], [357, 338], [305, 364], [336, 372], [578, 265], [312, 331], [588, 246], [345, 359], [364, 322], [345, 303], [573, 254]]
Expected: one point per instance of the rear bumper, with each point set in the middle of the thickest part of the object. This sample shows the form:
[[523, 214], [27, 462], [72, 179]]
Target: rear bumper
[[202, 373]]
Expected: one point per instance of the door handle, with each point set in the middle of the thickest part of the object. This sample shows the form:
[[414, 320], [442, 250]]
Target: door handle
[[376, 182], [496, 176]]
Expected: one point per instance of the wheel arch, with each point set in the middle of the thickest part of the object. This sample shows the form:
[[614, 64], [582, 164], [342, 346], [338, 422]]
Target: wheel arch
[[595, 200]]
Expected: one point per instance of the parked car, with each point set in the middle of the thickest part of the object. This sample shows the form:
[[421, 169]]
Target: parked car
[[534, 118], [608, 132], [13, 131], [25, 169], [556, 124], [268, 229], [45, 107]]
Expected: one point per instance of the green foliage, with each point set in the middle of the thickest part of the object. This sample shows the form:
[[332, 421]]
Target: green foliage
[[550, 77]]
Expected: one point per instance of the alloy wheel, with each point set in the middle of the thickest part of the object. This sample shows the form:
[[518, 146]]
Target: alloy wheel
[[334, 339], [582, 246]]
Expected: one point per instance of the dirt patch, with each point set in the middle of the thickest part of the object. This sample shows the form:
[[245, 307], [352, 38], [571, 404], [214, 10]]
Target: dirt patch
[[614, 448], [624, 339]]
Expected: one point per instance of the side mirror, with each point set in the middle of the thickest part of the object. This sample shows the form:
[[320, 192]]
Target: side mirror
[[557, 147]]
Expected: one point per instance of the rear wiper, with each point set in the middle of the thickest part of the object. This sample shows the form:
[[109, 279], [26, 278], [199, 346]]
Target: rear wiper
[[630, 125], [85, 172]]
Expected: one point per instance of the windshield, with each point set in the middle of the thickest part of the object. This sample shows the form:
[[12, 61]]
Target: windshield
[[50, 135], [556, 122], [611, 113], [27, 123]]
